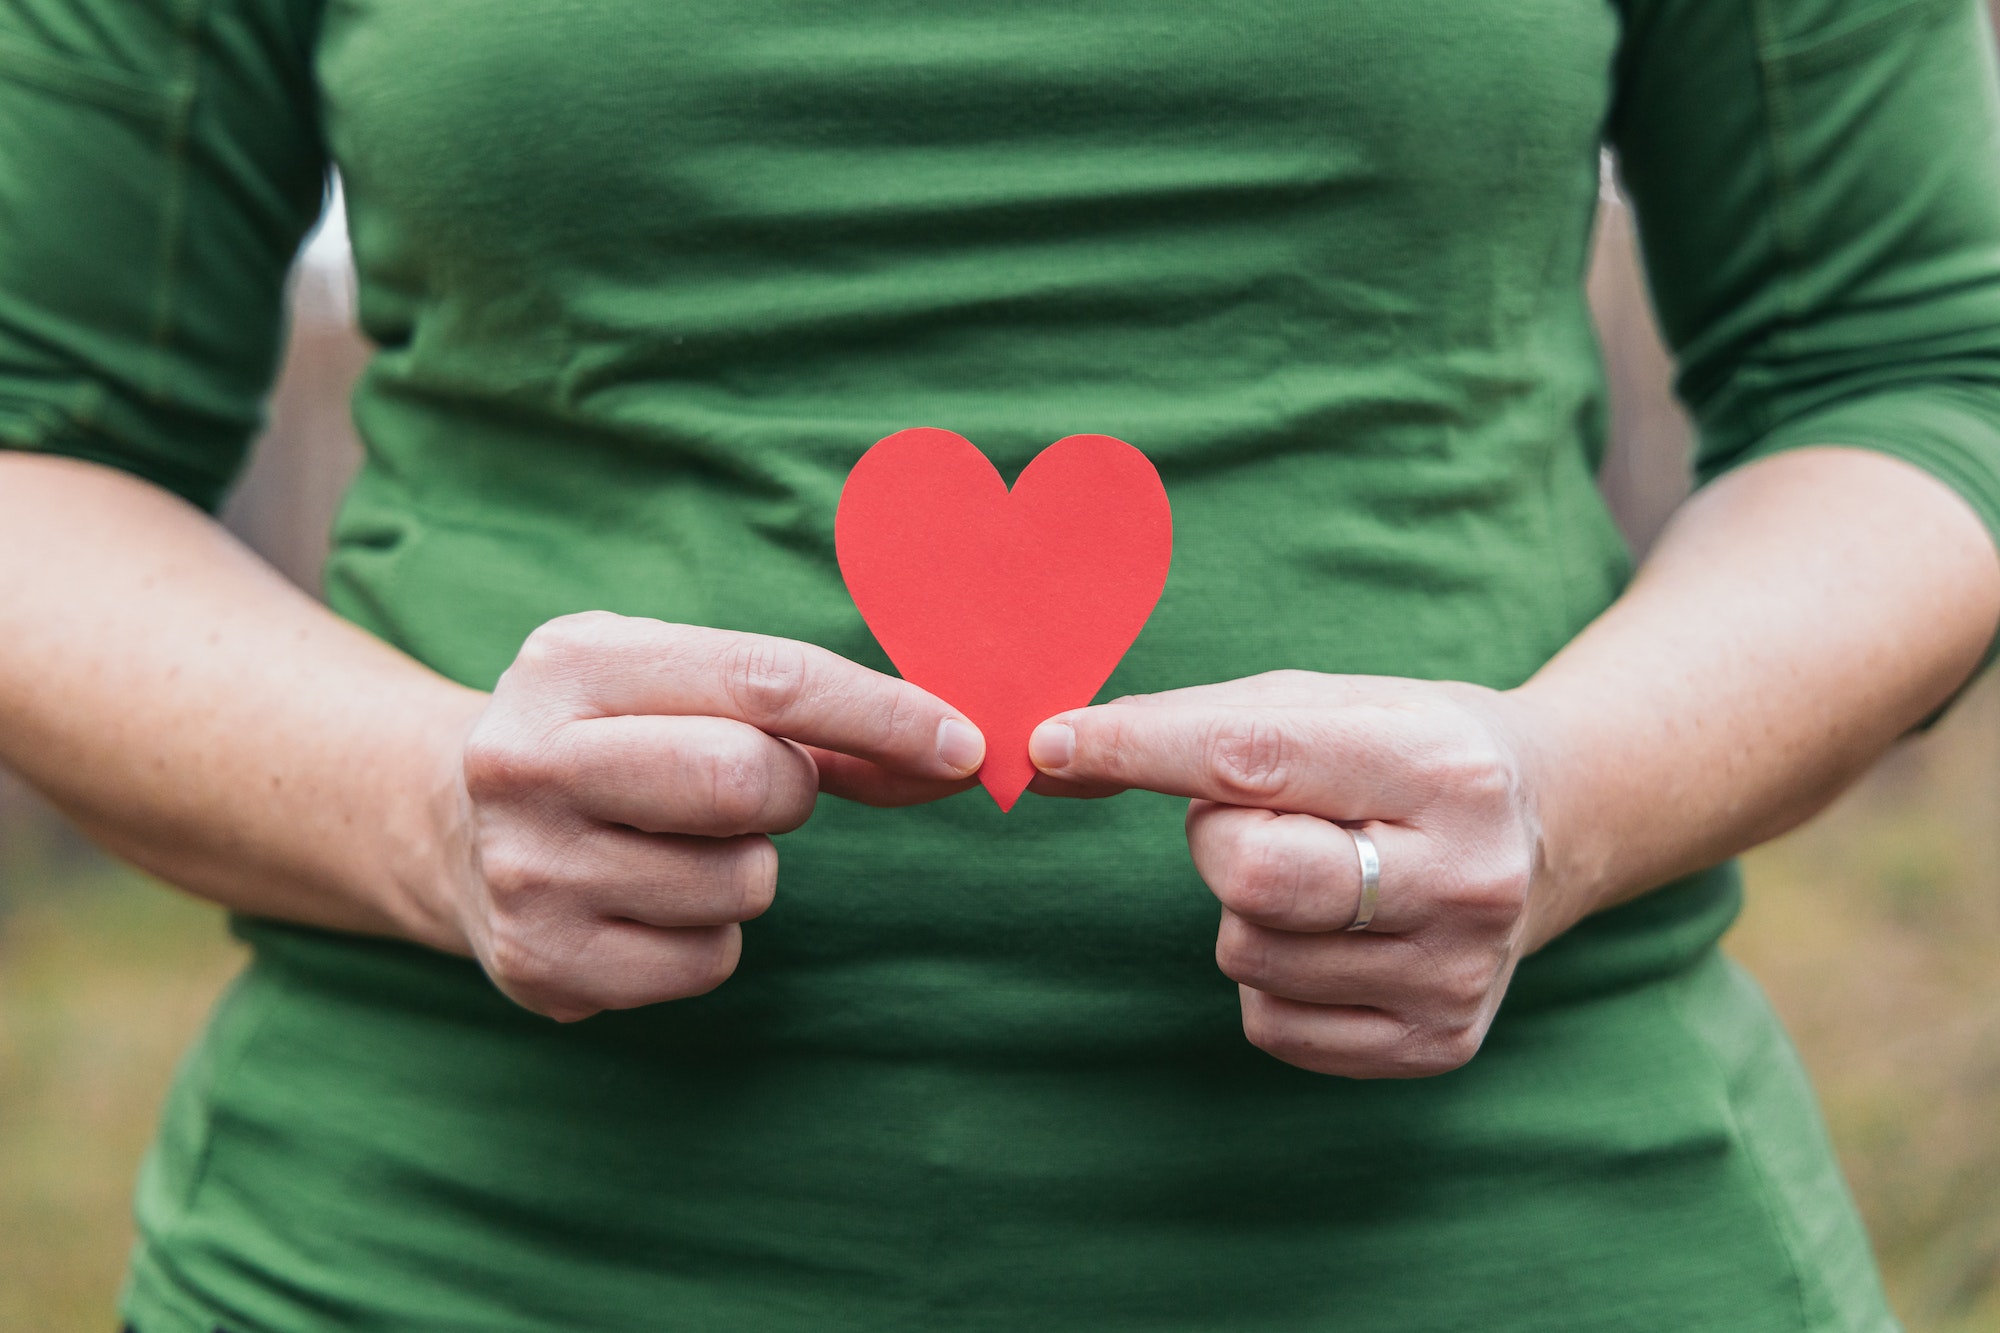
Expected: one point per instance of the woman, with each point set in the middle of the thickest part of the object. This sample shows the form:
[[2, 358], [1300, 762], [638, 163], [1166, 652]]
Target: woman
[[645, 281]]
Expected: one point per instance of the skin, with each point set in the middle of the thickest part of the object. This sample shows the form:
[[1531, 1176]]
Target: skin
[[1794, 620], [596, 830]]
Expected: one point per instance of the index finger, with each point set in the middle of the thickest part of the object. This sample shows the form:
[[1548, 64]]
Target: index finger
[[608, 665], [1359, 762], [1283, 689]]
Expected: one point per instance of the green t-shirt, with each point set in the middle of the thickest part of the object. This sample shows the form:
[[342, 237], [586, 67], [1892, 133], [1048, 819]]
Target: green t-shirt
[[646, 279]]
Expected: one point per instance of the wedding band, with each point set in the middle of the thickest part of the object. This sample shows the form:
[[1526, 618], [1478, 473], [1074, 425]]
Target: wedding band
[[1371, 879]]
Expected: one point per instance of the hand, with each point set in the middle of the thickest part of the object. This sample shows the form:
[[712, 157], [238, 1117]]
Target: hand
[[1275, 765], [619, 788]]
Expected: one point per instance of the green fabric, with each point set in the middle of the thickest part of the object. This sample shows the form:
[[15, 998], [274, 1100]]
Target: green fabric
[[647, 279]]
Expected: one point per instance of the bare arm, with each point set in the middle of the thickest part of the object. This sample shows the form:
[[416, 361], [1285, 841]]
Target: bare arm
[[593, 832], [206, 720], [1796, 618]]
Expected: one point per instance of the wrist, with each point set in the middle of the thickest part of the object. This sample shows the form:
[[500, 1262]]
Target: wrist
[[427, 853], [1575, 872]]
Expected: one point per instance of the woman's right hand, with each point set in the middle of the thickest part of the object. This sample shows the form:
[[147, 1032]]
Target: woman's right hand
[[620, 787]]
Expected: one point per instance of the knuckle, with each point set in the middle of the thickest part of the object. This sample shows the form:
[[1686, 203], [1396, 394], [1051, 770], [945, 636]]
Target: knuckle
[[755, 876], [527, 854], [1508, 887], [1437, 1053], [498, 767], [1247, 757], [493, 767], [1239, 953], [1463, 984], [901, 713], [1487, 771], [1287, 1042], [1473, 769], [765, 677], [555, 643], [1261, 880], [1263, 1030], [703, 960], [739, 782], [525, 964], [792, 809], [1104, 739], [517, 871], [1493, 893]]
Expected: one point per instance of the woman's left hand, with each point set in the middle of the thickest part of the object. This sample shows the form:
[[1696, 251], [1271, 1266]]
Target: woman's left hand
[[1436, 775], [1795, 618]]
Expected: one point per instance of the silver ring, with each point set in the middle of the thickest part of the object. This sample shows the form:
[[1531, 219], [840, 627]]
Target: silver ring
[[1371, 879]]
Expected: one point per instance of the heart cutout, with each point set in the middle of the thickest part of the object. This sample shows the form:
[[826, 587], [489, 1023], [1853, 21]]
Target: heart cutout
[[1013, 605]]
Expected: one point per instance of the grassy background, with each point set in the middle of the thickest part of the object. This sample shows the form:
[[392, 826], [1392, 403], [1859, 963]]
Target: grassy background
[[104, 978], [1876, 929]]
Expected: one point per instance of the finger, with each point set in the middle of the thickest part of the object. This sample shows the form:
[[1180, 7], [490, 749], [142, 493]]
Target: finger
[[1277, 688], [1302, 873], [593, 873], [607, 665], [858, 780], [1314, 969], [1351, 763], [1043, 784], [621, 965], [1282, 689], [1351, 1042], [676, 882], [702, 775], [1435, 986]]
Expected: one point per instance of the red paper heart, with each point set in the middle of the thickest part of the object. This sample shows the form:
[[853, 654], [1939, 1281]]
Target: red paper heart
[[1011, 606]]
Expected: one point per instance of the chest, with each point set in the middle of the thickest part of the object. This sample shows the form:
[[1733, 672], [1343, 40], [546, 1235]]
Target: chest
[[582, 123]]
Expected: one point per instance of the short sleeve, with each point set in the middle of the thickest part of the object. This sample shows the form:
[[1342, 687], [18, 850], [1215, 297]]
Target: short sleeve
[[1817, 184], [160, 160]]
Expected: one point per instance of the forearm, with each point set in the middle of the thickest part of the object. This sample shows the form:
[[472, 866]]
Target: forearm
[[207, 721], [1793, 621]]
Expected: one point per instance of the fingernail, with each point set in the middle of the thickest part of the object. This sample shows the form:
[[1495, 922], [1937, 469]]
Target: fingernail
[[1052, 745], [960, 745]]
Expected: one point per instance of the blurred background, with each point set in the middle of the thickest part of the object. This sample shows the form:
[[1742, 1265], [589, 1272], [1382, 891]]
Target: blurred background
[[1875, 928]]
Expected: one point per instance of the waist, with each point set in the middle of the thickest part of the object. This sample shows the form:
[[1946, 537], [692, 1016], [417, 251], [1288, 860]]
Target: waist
[[1064, 933]]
